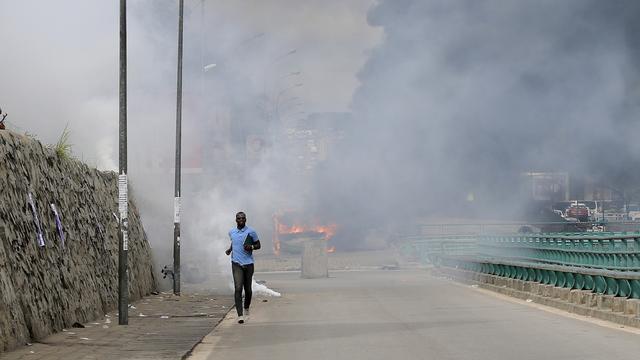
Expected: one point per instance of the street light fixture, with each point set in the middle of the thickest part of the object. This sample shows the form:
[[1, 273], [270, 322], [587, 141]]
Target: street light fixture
[[209, 67]]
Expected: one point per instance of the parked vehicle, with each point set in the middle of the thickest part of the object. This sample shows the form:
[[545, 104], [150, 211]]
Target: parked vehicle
[[578, 211]]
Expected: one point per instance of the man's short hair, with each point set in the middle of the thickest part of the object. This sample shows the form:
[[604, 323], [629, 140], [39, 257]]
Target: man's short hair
[[240, 213]]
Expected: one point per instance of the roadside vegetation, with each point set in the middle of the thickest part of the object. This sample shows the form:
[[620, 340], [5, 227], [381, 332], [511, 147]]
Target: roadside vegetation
[[63, 147]]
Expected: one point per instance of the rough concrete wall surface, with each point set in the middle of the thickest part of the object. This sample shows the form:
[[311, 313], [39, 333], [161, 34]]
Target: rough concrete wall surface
[[44, 289]]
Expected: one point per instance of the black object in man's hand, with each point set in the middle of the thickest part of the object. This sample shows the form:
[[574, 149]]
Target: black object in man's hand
[[248, 243]]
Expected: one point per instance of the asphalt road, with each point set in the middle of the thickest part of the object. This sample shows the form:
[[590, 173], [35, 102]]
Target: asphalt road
[[406, 315]]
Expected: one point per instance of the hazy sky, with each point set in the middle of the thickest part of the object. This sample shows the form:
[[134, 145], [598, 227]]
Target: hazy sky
[[59, 60]]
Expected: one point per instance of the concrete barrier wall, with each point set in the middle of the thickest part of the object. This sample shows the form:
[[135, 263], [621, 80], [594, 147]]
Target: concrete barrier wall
[[610, 308], [44, 289]]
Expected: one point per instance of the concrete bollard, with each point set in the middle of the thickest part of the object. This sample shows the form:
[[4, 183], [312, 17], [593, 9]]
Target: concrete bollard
[[576, 297], [516, 284], [590, 299], [315, 262], [618, 304], [535, 288], [605, 302], [632, 307], [563, 293]]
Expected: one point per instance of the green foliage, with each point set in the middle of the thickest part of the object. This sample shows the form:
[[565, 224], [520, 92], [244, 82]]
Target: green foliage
[[63, 148]]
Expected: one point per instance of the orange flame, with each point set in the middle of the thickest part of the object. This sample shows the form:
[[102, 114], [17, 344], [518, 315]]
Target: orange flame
[[328, 230]]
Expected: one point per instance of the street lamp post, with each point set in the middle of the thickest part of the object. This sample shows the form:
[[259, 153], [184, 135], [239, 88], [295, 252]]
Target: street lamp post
[[123, 236], [202, 41], [177, 198]]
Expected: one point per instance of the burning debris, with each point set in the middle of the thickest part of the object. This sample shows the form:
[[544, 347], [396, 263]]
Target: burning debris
[[291, 229]]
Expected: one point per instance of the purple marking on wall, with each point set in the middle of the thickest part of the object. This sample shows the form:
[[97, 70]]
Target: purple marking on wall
[[36, 220], [58, 224]]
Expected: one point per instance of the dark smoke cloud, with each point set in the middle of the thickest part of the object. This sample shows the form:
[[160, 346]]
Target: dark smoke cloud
[[465, 95]]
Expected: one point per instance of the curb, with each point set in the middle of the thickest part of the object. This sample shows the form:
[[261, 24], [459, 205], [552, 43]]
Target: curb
[[190, 352]]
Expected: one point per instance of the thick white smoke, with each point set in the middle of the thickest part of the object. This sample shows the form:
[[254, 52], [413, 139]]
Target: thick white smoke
[[59, 66], [459, 98], [463, 96]]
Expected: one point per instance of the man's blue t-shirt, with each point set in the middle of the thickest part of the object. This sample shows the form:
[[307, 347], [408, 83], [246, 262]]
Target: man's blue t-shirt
[[238, 236]]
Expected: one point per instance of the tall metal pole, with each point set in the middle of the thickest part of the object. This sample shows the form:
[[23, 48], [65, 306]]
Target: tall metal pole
[[123, 236], [202, 34], [176, 204]]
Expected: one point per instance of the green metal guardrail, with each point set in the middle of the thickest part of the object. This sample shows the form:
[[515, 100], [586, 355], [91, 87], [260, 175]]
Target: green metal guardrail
[[427, 249], [606, 263]]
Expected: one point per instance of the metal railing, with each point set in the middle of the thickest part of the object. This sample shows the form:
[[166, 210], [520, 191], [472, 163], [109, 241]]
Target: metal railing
[[611, 251], [506, 228], [605, 262], [427, 249]]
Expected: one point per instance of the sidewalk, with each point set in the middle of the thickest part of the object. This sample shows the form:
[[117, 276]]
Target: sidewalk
[[160, 327]]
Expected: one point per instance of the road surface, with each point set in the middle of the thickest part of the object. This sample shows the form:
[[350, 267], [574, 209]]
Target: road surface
[[406, 315]]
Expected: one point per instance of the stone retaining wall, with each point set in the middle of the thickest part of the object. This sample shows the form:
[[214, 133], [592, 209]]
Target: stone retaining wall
[[44, 289]]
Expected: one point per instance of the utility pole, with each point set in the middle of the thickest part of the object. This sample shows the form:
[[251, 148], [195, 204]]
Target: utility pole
[[202, 34], [176, 199], [123, 235]]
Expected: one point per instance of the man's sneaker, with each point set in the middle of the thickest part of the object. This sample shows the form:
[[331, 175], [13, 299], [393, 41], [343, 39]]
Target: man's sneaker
[[246, 313], [240, 319]]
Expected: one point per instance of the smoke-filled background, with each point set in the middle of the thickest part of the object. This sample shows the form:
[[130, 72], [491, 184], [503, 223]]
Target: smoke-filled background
[[367, 115], [462, 97], [266, 63]]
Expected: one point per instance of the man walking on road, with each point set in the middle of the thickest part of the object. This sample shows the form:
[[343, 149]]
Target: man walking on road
[[243, 241]]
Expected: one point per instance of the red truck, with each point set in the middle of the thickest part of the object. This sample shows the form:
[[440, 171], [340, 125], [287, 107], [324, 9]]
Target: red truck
[[578, 211]]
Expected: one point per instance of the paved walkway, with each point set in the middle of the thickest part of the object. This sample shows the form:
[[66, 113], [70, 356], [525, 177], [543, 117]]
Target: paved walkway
[[160, 327], [406, 314]]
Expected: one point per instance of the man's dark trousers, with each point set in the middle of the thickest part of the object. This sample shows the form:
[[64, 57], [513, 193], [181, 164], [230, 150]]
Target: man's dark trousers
[[242, 275]]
